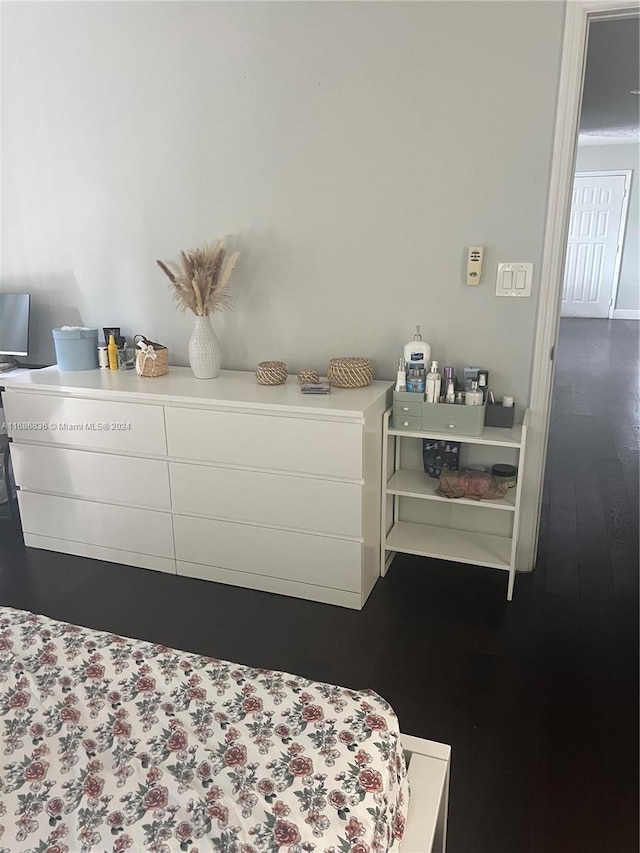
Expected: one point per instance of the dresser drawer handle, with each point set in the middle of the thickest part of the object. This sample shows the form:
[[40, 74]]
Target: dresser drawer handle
[[405, 408], [406, 423], [452, 426]]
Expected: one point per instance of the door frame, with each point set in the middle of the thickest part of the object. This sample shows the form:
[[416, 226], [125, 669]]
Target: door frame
[[578, 15], [622, 228]]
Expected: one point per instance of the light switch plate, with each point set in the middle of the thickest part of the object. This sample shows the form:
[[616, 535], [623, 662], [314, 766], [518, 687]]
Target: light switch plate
[[514, 279]]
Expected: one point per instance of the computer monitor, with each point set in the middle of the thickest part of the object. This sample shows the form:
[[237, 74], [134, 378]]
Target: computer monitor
[[14, 323]]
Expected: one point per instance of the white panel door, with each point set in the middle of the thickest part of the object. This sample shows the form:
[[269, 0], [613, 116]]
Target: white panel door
[[594, 231]]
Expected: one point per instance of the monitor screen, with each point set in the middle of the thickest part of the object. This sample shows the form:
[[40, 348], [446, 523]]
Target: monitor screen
[[14, 323]]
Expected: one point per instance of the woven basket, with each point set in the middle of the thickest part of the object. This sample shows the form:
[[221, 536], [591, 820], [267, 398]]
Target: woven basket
[[158, 366], [271, 373], [349, 372], [308, 374]]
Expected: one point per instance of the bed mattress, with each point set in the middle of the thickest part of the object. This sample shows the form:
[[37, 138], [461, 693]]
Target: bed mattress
[[115, 744]]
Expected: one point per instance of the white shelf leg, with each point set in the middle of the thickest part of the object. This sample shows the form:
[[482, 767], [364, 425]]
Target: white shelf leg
[[384, 560], [512, 580]]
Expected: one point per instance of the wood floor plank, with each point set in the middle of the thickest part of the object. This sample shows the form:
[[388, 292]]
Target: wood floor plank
[[562, 556]]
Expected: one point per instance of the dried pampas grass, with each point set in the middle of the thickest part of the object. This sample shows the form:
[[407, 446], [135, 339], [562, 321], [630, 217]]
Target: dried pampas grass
[[200, 278]]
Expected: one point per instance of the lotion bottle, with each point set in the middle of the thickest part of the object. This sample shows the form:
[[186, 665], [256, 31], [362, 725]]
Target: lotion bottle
[[112, 352], [434, 380], [416, 351]]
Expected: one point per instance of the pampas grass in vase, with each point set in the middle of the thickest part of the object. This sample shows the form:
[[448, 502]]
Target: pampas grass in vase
[[200, 282]]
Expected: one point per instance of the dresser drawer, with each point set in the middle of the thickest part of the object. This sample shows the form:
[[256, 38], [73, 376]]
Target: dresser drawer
[[322, 506], [83, 474], [138, 530], [328, 448], [301, 557], [48, 419]]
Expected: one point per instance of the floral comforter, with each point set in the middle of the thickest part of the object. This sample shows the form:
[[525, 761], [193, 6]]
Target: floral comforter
[[112, 744]]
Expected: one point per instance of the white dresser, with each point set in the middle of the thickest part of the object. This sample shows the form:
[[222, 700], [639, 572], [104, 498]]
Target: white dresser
[[220, 479]]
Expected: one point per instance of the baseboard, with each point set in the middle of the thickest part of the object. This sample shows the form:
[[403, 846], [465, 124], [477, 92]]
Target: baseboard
[[626, 314]]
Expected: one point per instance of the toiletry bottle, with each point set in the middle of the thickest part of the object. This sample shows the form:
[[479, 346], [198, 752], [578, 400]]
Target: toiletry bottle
[[483, 382], [416, 380], [401, 378], [416, 351], [474, 397], [103, 357], [433, 383], [112, 351], [450, 395]]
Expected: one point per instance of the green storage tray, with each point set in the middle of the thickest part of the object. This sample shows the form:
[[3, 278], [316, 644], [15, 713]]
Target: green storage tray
[[453, 418], [410, 412]]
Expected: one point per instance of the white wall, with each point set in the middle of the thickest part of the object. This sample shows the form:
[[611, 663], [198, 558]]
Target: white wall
[[355, 149], [605, 158]]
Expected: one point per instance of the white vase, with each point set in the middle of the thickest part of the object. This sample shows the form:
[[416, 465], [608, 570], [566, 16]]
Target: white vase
[[204, 350]]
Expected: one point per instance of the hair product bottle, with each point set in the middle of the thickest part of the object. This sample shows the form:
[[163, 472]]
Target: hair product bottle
[[112, 351]]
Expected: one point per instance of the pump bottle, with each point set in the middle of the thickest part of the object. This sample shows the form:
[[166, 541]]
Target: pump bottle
[[434, 381], [416, 352]]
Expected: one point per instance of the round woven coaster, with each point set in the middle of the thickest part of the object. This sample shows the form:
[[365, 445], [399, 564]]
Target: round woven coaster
[[271, 373], [349, 372], [308, 374]]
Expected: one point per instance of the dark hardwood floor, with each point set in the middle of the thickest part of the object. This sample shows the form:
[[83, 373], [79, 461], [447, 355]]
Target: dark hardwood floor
[[539, 698]]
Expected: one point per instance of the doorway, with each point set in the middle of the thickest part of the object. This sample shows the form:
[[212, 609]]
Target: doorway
[[581, 18], [594, 246]]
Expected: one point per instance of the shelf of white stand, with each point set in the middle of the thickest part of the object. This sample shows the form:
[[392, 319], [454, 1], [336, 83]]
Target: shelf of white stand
[[444, 543], [491, 435], [416, 484]]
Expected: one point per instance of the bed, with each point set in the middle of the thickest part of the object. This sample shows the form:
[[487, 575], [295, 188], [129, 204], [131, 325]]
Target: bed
[[115, 744]]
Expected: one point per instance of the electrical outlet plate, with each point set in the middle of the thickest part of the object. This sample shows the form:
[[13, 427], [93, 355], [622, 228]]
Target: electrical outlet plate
[[514, 279]]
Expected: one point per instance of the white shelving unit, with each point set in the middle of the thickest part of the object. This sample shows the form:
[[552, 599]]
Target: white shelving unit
[[415, 520]]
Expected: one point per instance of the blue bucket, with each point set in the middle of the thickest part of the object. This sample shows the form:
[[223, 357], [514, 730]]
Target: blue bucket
[[76, 348]]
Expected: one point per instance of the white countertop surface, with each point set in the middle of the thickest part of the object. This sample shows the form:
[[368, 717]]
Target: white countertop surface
[[232, 388]]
